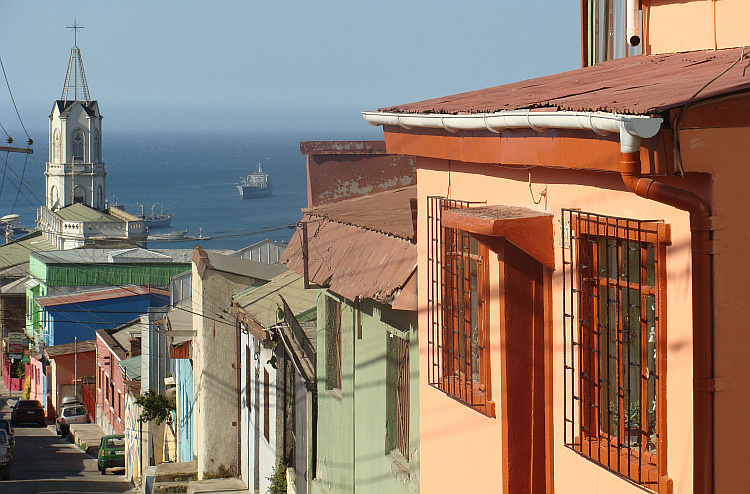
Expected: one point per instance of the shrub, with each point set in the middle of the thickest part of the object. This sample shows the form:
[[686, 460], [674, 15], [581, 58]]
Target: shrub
[[278, 480], [27, 388]]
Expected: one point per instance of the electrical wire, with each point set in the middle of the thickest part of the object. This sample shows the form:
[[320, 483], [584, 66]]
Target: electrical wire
[[13, 99]]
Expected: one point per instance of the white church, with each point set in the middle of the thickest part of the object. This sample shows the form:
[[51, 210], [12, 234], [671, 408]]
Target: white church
[[75, 213]]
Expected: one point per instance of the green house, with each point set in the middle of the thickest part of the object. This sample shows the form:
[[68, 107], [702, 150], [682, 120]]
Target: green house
[[65, 271], [363, 257]]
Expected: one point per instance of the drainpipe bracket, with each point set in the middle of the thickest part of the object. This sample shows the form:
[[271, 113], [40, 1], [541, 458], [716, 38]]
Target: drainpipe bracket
[[710, 247], [718, 223], [711, 385]]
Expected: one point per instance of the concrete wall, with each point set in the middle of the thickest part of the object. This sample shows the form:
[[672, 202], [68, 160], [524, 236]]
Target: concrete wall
[[340, 170], [679, 25], [723, 153], [214, 378], [353, 451], [449, 426]]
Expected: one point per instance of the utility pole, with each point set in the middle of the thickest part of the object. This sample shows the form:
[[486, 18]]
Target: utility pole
[[75, 363]]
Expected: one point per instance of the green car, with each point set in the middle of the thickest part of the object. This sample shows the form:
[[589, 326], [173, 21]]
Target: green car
[[111, 452]]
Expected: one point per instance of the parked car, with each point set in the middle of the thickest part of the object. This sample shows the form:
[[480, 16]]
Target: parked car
[[28, 411], [111, 452], [6, 455], [69, 400], [71, 414], [6, 426]]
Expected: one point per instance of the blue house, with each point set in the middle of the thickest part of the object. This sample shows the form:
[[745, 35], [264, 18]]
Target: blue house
[[78, 315]]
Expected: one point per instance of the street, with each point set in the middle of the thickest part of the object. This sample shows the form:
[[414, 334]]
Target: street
[[43, 462]]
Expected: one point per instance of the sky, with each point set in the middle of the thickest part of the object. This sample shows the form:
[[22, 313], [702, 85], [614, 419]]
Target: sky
[[253, 66]]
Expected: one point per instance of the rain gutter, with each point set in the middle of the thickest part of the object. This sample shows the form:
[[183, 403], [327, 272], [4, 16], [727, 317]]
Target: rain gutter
[[631, 128]]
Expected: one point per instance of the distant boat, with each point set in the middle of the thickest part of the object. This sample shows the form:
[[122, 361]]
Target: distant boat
[[155, 220], [255, 185], [173, 235]]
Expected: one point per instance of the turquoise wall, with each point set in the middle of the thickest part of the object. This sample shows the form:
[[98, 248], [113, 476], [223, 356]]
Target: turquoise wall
[[355, 452], [183, 375]]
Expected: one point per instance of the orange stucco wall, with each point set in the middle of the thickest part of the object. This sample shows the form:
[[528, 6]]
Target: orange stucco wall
[[680, 25], [460, 448], [725, 154]]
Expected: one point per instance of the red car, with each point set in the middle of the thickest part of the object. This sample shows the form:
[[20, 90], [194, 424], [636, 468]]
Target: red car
[[28, 411]]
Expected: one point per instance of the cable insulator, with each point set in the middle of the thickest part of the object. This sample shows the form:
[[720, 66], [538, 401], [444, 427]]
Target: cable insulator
[[10, 140], [30, 142]]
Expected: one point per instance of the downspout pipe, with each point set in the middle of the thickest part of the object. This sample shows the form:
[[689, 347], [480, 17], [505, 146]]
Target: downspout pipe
[[702, 298]]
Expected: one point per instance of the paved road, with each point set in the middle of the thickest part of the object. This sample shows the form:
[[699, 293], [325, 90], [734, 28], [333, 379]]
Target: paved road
[[43, 462]]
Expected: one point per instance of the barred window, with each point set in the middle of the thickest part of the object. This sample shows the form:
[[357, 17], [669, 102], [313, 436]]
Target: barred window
[[397, 401], [614, 279], [458, 310], [333, 343]]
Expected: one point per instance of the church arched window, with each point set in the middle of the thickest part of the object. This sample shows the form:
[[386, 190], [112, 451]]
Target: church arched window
[[97, 147], [54, 199], [78, 145], [100, 198], [79, 195], [56, 146]]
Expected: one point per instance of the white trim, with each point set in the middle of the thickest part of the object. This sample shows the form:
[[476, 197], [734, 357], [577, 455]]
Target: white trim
[[631, 128]]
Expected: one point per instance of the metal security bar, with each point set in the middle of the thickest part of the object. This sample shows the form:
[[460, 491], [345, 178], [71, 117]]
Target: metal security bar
[[402, 398], [614, 358], [457, 275]]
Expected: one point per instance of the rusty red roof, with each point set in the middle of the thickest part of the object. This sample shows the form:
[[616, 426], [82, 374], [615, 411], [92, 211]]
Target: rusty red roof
[[362, 247], [386, 212], [99, 294], [641, 85]]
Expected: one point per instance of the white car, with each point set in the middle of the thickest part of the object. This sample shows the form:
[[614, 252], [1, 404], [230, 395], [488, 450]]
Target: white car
[[6, 454], [71, 414]]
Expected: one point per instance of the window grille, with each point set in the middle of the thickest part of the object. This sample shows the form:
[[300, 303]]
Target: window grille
[[614, 301], [333, 343], [458, 312]]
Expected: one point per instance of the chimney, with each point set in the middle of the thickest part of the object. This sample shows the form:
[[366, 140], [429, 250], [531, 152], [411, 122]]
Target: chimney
[[135, 347]]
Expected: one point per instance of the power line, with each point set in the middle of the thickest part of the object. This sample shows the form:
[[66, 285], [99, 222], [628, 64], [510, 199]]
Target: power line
[[13, 100]]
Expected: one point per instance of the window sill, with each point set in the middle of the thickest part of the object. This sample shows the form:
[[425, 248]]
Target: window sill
[[335, 393], [621, 460], [399, 466], [477, 399]]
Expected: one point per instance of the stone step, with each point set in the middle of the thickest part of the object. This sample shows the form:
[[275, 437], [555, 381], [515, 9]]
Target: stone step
[[169, 487], [176, 472]]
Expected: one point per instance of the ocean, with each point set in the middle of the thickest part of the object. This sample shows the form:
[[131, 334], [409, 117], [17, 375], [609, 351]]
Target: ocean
[[193, 175]]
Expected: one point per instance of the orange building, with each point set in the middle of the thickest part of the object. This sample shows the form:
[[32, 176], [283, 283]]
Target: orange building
[[581, 278]]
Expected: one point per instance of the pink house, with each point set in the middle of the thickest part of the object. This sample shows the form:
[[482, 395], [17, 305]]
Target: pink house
[[112, 348]]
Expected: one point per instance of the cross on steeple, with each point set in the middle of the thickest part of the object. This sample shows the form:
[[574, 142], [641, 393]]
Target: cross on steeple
[[75, 79], [75, 27]]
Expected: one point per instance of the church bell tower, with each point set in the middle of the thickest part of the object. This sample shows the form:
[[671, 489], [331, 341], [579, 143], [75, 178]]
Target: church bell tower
[[75, 170]]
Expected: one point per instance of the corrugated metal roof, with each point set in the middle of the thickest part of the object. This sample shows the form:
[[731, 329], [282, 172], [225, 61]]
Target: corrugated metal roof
[[18, 251], [99, 294], [642, 84], [96, 256], [68, 348], [387, 212], [262, 303], [131, 367], [236, 265], [353, 261]]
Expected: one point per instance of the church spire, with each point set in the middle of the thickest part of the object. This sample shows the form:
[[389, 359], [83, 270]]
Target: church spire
[[75, 78]]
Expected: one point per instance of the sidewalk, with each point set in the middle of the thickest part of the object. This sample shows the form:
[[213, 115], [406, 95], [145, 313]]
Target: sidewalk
[[7, 398]]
